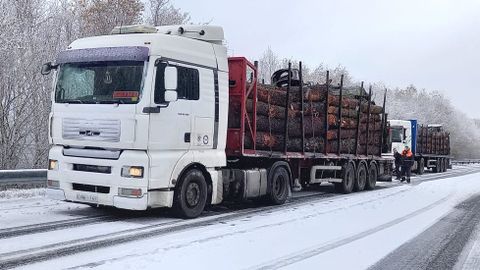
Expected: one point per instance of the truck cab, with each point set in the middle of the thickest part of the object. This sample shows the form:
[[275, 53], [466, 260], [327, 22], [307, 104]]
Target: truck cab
[[133, 111], [401, 134]]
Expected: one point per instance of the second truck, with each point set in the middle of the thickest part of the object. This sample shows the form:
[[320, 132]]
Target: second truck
[[430, 144]]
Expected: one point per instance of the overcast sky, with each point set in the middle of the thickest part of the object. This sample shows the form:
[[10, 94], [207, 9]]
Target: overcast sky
[[433, 44]]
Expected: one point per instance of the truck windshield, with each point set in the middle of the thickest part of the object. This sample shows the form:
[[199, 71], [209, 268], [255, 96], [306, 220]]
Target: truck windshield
[[100, 82], [397, 134]]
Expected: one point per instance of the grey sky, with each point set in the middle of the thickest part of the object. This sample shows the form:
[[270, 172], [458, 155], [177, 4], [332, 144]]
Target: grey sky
[[433, 44]]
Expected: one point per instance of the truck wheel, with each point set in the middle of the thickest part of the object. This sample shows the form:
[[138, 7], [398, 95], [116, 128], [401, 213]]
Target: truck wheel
[[372, 176], [444, 165], [348, 179], [437, 168], [361, 180], [191, 194], [279, 183], [421, 166]]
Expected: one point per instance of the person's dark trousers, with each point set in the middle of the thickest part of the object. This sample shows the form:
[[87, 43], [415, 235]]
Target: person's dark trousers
[[406, 170], [398, 172]]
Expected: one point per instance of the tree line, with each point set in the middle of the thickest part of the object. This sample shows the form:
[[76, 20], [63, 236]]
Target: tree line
[[32, 32]]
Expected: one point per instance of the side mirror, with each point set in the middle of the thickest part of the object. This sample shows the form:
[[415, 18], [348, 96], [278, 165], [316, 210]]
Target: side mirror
[[47, 68], [171, 84], [171, 78], [170, 96]]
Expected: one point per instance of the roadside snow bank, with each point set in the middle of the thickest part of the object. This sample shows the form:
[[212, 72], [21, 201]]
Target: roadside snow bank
[[21, 194]]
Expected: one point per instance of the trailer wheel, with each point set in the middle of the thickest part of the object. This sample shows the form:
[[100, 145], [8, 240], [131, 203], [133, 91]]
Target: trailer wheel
[[191, 195], [421, 166], [279, 184], [346, 186], [444, 165], [437, 168], [361, 180], [372, 176]]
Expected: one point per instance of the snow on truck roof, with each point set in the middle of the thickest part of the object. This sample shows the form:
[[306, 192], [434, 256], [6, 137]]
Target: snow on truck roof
[[201, 44], [208, 33]]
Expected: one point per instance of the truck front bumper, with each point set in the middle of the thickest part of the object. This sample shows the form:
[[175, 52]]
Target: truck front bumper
[[105, 188]]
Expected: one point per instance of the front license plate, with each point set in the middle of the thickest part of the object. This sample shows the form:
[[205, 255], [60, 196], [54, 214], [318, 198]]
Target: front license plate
[[87, 197]]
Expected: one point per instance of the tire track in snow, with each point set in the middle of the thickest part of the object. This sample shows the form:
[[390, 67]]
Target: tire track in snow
[[316, 250], [55, 225]]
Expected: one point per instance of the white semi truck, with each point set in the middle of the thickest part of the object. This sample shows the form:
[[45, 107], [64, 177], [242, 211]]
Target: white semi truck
[[141, 119], [430, 144]]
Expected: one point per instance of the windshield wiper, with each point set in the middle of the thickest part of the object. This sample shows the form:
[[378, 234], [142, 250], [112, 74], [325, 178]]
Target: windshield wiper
[[111, 101], [72, 101]]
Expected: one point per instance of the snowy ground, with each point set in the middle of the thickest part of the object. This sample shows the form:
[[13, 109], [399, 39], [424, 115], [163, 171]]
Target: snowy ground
[[331, 232]]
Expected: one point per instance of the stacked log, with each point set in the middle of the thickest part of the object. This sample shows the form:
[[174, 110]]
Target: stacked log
[[434, 141], [272, 107]]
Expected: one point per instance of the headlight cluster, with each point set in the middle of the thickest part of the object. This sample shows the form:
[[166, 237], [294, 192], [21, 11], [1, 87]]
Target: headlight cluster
[[52, 164], [132, 171]]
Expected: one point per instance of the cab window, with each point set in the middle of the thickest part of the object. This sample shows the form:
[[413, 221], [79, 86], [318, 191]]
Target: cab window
[[188, 83]]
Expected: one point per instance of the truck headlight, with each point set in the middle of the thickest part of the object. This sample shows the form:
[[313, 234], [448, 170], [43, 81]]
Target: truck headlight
[[132, 171], [52, 164]]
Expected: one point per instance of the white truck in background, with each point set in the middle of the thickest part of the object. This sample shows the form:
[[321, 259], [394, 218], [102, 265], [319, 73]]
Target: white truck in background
[[429, 144]]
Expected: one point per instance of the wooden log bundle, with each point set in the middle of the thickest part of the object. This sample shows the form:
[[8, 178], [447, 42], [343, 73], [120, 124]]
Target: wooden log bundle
[[272, 106], [434, 141]]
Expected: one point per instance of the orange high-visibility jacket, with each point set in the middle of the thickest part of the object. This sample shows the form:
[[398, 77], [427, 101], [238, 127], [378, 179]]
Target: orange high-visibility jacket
[[407, 153]]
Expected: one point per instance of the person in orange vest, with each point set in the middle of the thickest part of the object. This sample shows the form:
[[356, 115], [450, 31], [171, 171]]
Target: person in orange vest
[[407, 163]]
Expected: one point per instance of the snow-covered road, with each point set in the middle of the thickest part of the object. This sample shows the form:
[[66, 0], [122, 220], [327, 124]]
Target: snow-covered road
[[326, 231]]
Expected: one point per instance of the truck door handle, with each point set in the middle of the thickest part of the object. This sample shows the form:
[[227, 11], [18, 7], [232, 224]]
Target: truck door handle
[[186, 137], [151, 109]]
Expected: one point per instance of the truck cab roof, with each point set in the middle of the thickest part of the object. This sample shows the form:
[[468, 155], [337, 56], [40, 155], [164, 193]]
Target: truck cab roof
[[197, 44]]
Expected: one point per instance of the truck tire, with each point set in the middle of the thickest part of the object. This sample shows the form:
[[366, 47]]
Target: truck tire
[[421, 167], [444, 165], [279, 184], [348, 172], [372, 176], [437, 168], [361, 180], [191, 194]]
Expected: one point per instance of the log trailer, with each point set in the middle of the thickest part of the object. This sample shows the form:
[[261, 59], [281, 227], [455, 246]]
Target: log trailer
[[430, 144], [142, 119]]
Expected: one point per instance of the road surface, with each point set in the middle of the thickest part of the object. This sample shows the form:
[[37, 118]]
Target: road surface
[[429, 224]]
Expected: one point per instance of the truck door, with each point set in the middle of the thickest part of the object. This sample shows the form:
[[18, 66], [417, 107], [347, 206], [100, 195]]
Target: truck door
[[170, 132], [203, 113]]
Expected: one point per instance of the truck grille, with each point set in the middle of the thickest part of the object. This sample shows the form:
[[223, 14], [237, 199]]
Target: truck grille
[[106, 130], [91, 188], [92, 168]]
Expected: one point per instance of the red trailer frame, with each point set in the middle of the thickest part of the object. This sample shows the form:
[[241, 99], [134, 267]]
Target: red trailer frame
[[242, 84]]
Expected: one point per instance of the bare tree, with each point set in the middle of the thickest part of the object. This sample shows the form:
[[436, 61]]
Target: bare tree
[[162, 12], [268, 64], [101, 16], [32, 32]]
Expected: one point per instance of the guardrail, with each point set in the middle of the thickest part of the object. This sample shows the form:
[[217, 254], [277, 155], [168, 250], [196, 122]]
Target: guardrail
[[465, 161], [22, 179]]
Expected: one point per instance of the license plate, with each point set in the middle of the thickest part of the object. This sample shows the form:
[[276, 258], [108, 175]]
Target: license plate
[[87, 197]]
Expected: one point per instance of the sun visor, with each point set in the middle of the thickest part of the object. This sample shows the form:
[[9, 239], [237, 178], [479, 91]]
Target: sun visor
[[103, 54]]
